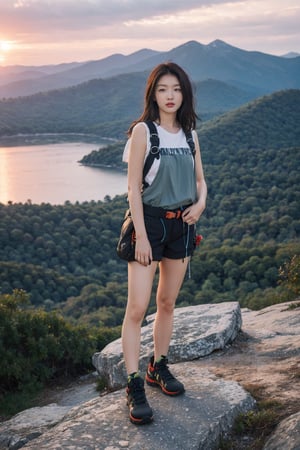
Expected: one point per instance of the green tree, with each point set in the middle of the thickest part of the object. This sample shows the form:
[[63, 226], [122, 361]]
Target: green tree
[[289, 274]]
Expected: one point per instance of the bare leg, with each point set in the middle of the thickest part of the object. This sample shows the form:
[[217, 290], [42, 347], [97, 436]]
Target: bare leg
[[140, 280], [172, 272]]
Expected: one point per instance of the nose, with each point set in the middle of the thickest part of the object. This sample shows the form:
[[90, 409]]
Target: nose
[[170, 93]]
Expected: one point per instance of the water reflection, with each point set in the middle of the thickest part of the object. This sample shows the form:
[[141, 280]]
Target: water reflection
[[4, 187], [51, 174]]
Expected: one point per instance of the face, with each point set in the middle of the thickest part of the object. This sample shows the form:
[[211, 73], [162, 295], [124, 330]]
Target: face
[[168, 94]]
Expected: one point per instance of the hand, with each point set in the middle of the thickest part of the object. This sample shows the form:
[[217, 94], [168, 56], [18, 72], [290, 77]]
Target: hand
[[193, 213], [143, 251]]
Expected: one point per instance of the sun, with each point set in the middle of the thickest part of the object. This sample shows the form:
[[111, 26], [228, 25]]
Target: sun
[[5, 46]]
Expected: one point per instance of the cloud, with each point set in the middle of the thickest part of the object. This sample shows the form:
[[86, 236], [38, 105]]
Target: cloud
[[81, 14], [252, 22], [90, 29]]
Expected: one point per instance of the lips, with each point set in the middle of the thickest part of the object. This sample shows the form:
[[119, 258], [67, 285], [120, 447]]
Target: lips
[[170, 105]]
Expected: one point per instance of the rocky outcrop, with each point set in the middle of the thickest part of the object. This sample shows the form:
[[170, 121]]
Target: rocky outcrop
[[192, 421], [286, 436], [266, 354], [198, 331]]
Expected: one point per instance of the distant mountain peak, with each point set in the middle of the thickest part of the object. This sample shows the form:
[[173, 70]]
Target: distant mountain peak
[[218, 43], [192, 42], [189, 45], [144, 51], [291, 55]]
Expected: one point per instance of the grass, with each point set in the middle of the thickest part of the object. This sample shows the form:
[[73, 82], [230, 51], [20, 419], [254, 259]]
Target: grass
[[293, 306], [251, 429], [101, 384]]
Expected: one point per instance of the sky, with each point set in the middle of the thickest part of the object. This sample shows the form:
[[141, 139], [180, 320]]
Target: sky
[[39, 32]]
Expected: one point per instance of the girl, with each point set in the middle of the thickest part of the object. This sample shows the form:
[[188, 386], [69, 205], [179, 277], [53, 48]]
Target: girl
[[164, 215]]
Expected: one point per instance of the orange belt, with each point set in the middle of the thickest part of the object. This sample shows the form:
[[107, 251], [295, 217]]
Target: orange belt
[[173, 214], [163, 213]]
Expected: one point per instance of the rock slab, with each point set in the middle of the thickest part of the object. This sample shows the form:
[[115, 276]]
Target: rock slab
[[195, 420], [198, 331], [29, 424]]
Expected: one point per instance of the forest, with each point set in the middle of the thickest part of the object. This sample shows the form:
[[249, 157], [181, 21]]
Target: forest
[[62, 258], [269, 122], [103, 107]]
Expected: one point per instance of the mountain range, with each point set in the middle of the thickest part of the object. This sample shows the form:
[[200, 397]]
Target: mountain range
[[106, 95], [254, 72]]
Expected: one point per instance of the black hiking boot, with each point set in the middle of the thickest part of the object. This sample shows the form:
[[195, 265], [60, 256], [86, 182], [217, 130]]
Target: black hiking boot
[[139, 409], [158, 374]]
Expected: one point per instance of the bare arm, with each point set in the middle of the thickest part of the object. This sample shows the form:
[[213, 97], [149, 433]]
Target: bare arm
[[192, 214], [143, 252]]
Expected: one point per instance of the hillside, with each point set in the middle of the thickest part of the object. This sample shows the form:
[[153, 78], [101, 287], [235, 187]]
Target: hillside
[[64, 255], [269, 122], [104, 107], [255, 72]]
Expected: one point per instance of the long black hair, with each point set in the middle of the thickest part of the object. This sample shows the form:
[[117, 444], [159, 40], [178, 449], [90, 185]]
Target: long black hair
[[186, 115]]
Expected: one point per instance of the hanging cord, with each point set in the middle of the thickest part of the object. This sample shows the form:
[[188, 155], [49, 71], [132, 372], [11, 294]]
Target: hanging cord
[[186, 244], [189, 263], [165, 231]]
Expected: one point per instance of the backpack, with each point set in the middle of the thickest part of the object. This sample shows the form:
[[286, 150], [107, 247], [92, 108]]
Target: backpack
[[154, 149]]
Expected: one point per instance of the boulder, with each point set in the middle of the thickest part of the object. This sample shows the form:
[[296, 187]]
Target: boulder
[[198, 331], [286, 436]]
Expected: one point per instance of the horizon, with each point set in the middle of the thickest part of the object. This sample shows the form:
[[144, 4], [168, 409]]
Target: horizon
[[38, 33], [144, 48]]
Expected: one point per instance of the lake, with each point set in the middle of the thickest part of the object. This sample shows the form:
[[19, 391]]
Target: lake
[[42, 170]]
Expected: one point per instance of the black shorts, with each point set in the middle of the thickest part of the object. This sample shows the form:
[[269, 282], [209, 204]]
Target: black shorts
[[169, 237]]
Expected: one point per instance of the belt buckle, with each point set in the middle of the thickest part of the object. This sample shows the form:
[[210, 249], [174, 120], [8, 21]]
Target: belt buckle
[[170, 215], [173, 214]]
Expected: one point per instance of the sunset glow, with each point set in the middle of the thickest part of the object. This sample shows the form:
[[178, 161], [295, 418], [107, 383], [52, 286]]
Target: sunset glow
[[42, 32], [5, 46]]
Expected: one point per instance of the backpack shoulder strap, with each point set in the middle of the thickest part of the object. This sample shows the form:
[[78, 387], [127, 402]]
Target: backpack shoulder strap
[[190, 141], [154, 150]]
